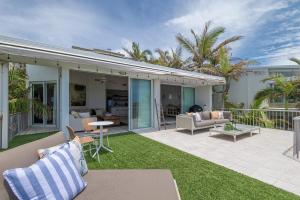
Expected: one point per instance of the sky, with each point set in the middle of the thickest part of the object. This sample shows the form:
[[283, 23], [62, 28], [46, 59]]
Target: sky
[[270, 28]]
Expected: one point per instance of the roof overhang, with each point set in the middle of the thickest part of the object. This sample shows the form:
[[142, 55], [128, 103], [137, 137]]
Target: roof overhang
[[23, 51]]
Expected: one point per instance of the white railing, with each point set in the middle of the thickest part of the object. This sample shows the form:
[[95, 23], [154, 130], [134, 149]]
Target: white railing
[[268, 118]]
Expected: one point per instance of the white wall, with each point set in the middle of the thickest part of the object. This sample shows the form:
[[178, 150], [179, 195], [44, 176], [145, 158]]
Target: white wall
[[95, 90], [203, 96], [244, 90], [42, 73]]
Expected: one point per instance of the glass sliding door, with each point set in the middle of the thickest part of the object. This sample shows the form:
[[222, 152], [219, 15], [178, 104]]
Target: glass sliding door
[[141, 103], [50, 103], [44, 100], [188, 98], [38, 99]]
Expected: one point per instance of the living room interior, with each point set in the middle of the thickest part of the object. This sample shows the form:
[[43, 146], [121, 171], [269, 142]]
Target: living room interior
[[98, 96], [171, 102]]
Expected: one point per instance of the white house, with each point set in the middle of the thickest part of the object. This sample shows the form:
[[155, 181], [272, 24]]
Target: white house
[[73, 79], [244, 90]]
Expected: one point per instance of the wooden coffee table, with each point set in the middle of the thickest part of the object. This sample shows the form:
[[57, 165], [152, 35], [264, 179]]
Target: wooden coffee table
[[113, 118]]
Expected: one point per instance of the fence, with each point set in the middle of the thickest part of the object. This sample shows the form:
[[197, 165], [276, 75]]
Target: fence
[[268, 118], [17, 123]]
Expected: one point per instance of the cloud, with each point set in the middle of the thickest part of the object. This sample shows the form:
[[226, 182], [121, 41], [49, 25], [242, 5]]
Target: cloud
[[54, 22], [245, 18]]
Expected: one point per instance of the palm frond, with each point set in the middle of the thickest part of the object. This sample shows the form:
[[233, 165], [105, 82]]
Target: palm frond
[[296, 60], [186, 43]]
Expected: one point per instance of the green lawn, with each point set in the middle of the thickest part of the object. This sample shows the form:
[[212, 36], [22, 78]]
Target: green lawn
[[22, 139], [196, 178]]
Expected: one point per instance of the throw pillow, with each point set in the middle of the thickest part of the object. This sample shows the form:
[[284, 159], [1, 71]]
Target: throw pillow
[[75, 149], [75, 114], [197, 117], [205, 115], [221, 115], [53, 177], [84, 114], [189, 114], [215, 115]]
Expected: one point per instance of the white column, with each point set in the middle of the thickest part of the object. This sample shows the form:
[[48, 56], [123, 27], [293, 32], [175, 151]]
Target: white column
[[64, 99], [156, 95], [203, 96], [4, 104]]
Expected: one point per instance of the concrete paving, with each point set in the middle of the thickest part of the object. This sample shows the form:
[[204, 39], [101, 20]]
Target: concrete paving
[[266, 156]]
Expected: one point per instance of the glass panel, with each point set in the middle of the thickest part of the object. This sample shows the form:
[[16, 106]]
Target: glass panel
[[140, 103], [51, 103], [188, 98], [37, 106]]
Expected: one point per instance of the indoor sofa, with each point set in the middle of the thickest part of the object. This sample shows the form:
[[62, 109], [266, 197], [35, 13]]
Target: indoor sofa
[[188, 121]]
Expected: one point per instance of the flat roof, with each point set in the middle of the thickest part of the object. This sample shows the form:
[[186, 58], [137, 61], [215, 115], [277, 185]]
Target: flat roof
[[29, 49]]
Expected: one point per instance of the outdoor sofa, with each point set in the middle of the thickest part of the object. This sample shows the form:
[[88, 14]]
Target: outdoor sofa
[[188, 121], [101, 184]]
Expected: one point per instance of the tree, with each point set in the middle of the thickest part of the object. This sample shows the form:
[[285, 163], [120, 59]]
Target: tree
[[204, 48], [281, 87], [230, 71], [296, 60], [137, 54], [17, 87], [170, 59]]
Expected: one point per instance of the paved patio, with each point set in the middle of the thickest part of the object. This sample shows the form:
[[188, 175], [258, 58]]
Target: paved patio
[[266, 156]]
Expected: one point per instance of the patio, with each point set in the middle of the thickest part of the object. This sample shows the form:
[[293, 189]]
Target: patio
[[266, 156]]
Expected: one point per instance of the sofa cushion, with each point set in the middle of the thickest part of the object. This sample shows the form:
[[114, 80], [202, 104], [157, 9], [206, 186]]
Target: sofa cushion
[[75, 149], [146, 184], [75, 114], [197, 117], [215, 115], [204, 123], [205, 115], [84, 114], [53, 177], [221, 121]]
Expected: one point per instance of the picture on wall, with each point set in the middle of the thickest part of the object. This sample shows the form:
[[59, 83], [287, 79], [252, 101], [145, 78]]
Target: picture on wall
[[78, 95]]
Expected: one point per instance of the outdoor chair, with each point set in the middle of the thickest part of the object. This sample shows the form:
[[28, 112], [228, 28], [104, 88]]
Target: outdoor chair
[[84, 141]]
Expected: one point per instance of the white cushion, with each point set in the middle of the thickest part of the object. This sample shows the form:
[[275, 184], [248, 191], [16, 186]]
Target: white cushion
[[84, 114], [75, 114], [197, 117], [221, 115], [75, 149]]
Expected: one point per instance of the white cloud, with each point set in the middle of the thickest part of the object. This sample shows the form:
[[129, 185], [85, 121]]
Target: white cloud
[[238, 17], [54, 22]]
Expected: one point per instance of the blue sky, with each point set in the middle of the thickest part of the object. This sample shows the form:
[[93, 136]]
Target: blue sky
[[271, 28]]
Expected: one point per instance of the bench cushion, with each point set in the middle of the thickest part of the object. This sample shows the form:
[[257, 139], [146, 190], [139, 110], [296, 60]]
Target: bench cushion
[[221, 121], [129, 185], [204, 123]]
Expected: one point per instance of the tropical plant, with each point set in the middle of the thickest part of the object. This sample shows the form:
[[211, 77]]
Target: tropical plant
[[137, 54], [255, 116], [282, 87], [204, 49], [18, 90], [171, 58], [230, 71], [296, 60]]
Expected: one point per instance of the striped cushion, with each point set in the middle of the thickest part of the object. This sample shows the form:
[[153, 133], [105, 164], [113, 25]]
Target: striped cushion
[[52, 177]]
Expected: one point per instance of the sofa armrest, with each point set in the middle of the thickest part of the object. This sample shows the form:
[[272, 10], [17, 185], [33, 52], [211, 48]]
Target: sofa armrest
[[185, 121]]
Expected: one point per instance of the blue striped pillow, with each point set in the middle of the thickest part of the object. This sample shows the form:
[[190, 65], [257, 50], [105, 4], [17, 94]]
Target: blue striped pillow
[[53, 177]]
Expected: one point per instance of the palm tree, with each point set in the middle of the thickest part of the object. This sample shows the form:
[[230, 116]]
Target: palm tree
[[137, 54], [204, 48], [230, 71], [170, 59], [282, 87], [296, 60]]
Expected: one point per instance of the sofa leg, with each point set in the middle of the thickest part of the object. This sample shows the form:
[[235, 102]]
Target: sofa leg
[[192, 131]]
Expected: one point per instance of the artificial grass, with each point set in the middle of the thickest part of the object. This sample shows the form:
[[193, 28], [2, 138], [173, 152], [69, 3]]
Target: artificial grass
[[196, 178], [23, 139]]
